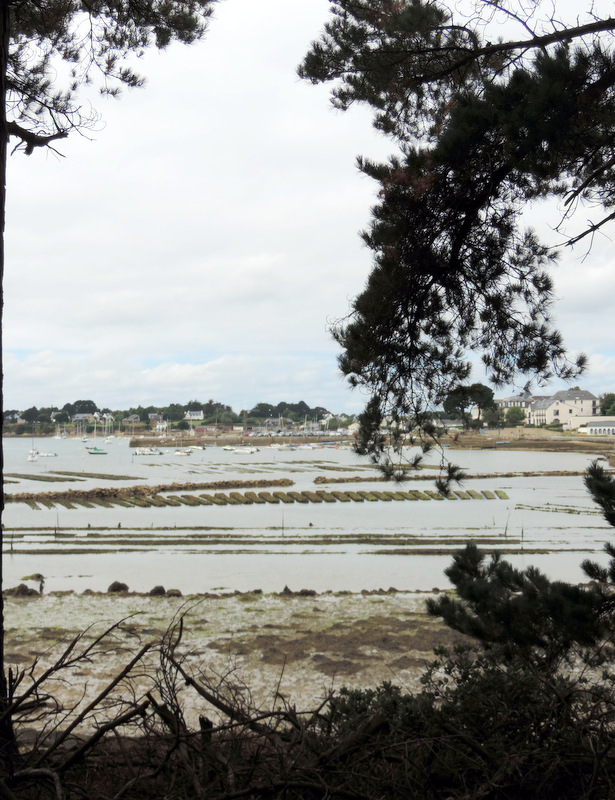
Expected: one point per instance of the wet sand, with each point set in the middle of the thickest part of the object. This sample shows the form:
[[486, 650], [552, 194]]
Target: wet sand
[[300, 645]]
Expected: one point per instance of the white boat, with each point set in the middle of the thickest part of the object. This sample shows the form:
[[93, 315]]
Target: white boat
[[245, 449], [34, 454], [148, 451], [183, 451]]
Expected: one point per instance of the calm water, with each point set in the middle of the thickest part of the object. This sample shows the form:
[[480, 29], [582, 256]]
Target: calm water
[[337, 546]]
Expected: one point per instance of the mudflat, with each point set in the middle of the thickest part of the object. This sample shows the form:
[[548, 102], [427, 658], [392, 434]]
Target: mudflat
[[298, 646]]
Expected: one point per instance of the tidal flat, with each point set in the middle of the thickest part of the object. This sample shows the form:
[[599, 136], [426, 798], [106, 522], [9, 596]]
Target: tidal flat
[[299, 645], [321, 519], [319, 580]]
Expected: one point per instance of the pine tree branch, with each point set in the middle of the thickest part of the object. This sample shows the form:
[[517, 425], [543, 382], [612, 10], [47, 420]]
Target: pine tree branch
[[31, 139]]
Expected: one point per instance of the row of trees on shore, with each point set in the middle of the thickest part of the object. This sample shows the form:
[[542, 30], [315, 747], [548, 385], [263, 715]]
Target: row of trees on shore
[[214, 413], [457, 405]]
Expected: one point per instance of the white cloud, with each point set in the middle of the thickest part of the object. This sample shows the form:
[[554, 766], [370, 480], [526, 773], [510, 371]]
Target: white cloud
[[238, 380], [200, 242]]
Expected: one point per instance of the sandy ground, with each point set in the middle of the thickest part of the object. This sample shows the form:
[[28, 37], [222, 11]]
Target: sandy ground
[[298, 646]]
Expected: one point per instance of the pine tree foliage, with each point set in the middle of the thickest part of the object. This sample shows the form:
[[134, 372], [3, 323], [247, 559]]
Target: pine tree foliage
[[524, 708], [482, 129], [600, 485], [525, 614], [55, 47], [522, 611]]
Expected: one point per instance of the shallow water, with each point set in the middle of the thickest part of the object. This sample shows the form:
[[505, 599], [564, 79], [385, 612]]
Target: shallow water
[[341, 546]]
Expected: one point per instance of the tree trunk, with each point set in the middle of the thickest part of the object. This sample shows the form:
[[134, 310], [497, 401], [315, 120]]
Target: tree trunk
[[8, 746]]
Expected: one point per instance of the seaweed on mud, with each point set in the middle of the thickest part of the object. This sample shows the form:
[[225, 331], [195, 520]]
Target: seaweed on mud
[[395, 496], [254, 498], [355, 497], [171, 500], [343, 497], [313, 497], [268, 497], [284, 497], [299, 497], [231, 501], [190, 500], [382, 496], [326, 496], [215, 499], [95, 475], [241, 498]]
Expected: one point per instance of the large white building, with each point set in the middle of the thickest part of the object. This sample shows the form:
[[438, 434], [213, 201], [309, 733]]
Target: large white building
[[570, 407], [564, 407]]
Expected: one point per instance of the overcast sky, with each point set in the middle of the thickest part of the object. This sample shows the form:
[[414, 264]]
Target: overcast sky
[[201, 241]]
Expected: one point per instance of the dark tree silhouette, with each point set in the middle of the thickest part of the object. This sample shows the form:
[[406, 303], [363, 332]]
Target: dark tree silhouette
[[482, 127]]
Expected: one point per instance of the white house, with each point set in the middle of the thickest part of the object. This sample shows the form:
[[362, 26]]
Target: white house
[[516, 401], [194, 415], [564, 407]]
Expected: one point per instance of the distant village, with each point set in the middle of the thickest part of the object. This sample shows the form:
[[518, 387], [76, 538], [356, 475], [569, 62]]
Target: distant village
[[195, 418], [569, 410]]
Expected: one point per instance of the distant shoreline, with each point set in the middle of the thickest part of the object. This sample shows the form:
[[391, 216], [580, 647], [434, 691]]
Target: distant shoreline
[[507, 439], [521, 438]]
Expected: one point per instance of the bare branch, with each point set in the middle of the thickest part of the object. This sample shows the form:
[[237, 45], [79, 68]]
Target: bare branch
[[31, 139]]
